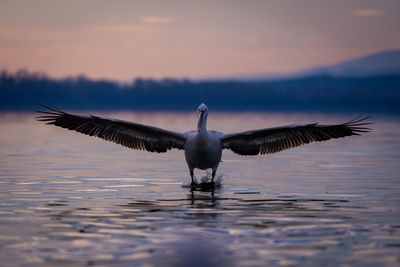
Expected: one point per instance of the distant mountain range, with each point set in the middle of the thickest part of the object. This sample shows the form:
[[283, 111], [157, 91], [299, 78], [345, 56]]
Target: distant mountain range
[[383, 63]]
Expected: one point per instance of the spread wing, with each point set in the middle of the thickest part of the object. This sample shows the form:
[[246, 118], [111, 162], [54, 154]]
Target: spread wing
[[272, 140], [129, 134]]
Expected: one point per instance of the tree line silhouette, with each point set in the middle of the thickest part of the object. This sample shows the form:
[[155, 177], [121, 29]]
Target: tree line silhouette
[[22, 91]]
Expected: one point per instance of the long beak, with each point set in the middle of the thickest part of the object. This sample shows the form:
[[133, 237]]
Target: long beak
[[200, 123]]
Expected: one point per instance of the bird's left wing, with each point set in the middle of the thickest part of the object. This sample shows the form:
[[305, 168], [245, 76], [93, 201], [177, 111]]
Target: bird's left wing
[[272, 140], [129, 134]]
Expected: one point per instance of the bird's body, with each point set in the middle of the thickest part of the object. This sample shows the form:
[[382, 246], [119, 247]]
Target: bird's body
[[203, 148]]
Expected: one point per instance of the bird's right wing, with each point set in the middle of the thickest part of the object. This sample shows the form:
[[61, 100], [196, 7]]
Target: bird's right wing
[[129, 134]]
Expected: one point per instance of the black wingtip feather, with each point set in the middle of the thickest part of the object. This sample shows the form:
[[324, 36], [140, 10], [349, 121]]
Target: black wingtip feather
[[359, 119], [51, 113], [357, 124]]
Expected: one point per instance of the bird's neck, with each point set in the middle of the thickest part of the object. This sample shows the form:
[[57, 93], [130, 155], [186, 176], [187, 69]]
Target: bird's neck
[[204, 126], [203, 130]]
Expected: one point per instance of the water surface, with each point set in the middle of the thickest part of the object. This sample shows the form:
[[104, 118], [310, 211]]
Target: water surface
[[69, 199]]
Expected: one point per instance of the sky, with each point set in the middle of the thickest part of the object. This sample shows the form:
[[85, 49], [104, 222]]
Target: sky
[[122, 40]]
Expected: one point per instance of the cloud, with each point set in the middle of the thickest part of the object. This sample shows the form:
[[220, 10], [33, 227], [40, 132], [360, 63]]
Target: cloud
[[158, 20], [115, 28], [368, 12]]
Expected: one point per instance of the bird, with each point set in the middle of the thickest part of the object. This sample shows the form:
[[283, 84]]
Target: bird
[[202, 147]]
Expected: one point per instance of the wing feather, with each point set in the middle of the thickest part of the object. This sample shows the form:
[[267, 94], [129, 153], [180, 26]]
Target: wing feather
[[272, 140], [129, 134]]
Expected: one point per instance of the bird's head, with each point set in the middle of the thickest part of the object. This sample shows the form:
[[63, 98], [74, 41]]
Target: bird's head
[[202, 112]]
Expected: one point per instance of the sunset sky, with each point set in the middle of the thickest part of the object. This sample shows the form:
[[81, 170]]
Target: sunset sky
[[121, 40]]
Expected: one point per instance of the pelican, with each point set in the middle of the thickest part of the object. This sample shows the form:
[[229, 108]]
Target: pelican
[[203, 148]]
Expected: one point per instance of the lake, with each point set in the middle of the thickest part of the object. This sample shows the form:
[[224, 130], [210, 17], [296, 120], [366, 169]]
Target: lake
[[69, 199]]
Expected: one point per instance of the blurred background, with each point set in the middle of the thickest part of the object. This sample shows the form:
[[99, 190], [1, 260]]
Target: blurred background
[[233, 55]]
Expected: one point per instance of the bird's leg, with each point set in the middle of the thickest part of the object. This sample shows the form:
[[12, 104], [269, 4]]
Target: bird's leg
[[213, 176], [191, 175]]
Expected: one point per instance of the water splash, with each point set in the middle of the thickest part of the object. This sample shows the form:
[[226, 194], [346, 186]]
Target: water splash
[[204, 183]]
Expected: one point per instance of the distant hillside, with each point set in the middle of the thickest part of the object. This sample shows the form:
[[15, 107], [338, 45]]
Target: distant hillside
[[384, 63], [387, 62], [375, 94]]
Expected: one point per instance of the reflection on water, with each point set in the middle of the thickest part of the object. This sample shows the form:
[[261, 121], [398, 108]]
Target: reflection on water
[[69, 199]]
